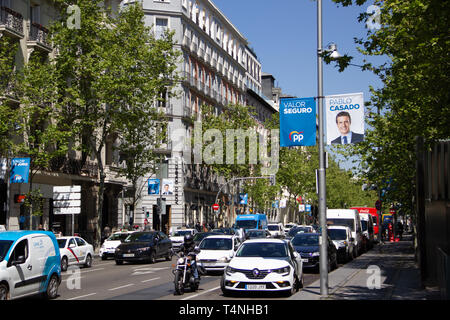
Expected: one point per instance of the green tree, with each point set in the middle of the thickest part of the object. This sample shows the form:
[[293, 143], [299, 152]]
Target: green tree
[[414, 99]]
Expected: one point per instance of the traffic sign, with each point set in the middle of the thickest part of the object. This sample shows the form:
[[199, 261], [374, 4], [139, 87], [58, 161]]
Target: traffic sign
[[215, 207], [378, 205]]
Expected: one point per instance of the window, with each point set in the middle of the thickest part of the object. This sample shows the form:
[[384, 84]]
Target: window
[[161, 27], [35, 14], [80, 242], [72, 243], [21, 249], [5, 3]]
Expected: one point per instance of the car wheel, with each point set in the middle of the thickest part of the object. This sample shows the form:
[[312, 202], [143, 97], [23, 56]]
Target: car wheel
[[52, 287], [152, 257], [88, 262], [103, 256], [64, 264], [4, 292], [119, 262], [225, 292]]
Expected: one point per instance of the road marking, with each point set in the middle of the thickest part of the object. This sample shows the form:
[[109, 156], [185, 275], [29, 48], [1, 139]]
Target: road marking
[[151, 279], [128, 285], [92, 270], [86, 295], [199, 294]]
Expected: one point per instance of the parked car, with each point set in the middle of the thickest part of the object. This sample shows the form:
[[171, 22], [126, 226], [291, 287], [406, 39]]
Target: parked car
[[216, 251], [30, 264], [75, 251], [257, 234], [276, 230], [199, 236], [295, 230], [264, 265], [367, 230], [144, 247], [177, 237], [349, 218], [307, 245], [343, 241], [109, 246]]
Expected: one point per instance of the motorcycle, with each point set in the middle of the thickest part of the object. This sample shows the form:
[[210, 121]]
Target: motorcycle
[[184, 274]]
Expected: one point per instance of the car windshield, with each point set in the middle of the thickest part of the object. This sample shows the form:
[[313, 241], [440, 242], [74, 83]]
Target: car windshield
[[364, 225], [62, 243], [118, 237], [263, 250], [256, 234], [342, 222], [337, 234], [290, 226], [305, 240], [296, 230], [246, 224], [273, 227], [4, 247], [139, 237], [216, 244], [181, 233], [200, 236]]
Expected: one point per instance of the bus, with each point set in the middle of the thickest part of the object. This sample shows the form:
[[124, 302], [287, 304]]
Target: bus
[[251, 221]]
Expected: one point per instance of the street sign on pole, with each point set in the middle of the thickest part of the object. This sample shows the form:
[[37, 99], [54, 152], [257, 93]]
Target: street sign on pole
[[215, 207]]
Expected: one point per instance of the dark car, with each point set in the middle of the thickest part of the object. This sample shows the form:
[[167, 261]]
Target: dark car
[[257, 233], [291, 234], [307, 244], [144, 247], [198, 237], [227, 231]]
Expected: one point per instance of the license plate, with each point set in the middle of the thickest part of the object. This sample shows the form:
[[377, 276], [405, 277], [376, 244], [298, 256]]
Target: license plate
[[305, 260], [128, 255], [255, 286]]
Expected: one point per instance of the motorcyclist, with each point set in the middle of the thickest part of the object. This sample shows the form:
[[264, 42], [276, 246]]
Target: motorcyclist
[[187, 247]]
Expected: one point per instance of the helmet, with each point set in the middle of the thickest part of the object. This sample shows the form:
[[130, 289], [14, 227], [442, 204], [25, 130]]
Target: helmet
[[188, 239]]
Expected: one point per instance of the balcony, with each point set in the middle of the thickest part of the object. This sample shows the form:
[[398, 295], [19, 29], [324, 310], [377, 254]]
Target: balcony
[[38, 38], [11, 23], [194, 48], [201, 54], [186, 44]]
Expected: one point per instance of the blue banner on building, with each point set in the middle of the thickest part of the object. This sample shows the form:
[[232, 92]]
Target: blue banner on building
[[297, 122], [243, 198], [153, 186], [20, 170]]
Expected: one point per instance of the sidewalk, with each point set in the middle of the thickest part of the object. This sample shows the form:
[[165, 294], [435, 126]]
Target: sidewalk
[[399, 277]]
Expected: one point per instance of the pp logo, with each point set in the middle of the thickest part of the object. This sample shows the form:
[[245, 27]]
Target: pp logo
[[296, 136]]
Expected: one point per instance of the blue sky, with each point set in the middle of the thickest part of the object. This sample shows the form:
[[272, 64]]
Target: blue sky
[[283, 34]]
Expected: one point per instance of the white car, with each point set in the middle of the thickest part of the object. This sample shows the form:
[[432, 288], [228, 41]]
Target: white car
[[343, 241], [75, 251], [288, 227], [177, 237], [109, 245], [276, 230], [217, 251], [264, 265]]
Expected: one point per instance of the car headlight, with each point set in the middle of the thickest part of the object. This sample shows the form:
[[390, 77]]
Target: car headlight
[[117, 249], [283, 271], [224, 259], [229, 270], [315, 254]]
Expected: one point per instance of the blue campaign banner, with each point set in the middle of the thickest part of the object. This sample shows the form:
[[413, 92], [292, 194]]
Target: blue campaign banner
[[243, 198], [20, 170], [297, 122], [308, 208], [153, 186]]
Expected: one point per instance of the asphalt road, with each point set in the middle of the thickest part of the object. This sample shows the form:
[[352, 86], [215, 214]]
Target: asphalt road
[[142, 281]]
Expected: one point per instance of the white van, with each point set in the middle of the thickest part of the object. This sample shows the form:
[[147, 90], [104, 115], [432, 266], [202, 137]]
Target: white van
[[367, 230], [348, 218], [276, 230], [29, 264]]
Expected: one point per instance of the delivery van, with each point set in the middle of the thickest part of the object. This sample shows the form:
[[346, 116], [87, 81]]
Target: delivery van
[[30, 264], [347, 218]]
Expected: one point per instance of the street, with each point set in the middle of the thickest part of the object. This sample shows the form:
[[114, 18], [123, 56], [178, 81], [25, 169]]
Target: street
[[141, 281]]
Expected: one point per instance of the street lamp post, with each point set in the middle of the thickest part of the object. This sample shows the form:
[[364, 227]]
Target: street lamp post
[[323, 258]]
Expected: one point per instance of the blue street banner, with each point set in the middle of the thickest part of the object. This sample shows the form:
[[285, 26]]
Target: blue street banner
[[307, 207], [153, 186], [297, 122], [243, 198], [20, 170]]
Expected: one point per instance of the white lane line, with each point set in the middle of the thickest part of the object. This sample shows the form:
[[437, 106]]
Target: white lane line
[[86, 295], [151, 279], [199, 294], [92, 270], [128, 285]]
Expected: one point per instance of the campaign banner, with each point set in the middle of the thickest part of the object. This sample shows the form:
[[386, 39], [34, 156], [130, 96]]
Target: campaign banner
[[20, 170], [153, 186], [167, 186], [243, 198], [297, 122], [345, 118]]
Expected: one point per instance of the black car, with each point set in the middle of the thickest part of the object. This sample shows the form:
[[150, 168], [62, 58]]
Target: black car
[[257, 233], [291, 234], [307, 244], [198, 237], [144, 247]]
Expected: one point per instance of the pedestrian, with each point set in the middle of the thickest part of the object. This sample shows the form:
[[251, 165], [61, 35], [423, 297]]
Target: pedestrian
[[22, 222], [399, 229], [198, 227]]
